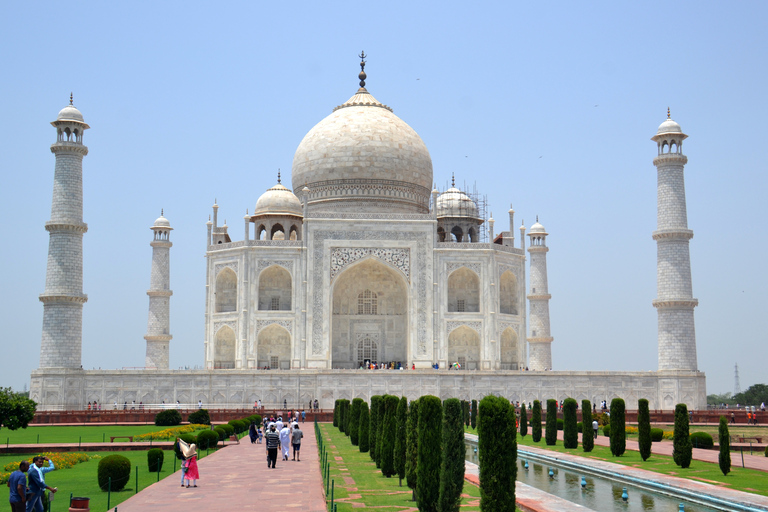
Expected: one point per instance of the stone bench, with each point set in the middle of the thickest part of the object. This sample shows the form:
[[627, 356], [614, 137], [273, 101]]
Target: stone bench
[[112, 438]]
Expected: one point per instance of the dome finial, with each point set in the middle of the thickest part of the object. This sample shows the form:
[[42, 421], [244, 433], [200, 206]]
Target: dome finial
[[278, 175], [362, 76], [668, 114], [71, 98], [537, 218], [453, 180], [161, 212]]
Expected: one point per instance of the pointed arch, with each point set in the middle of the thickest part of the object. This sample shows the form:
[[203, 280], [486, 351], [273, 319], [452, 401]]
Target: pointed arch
[[463, 291], [277, 232], [508, 293], [464, 347], [226, 291], [275, 289], [509, 349], [457, 234], [274, 348], [440, 234], [224, 348]]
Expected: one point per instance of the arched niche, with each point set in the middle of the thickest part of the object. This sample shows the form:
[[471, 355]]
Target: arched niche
[[463, 291], [274, 348], [275, 289], [509, 349], [354, 318], [226, 291], [224, 348], [508, 293], [464, 347]]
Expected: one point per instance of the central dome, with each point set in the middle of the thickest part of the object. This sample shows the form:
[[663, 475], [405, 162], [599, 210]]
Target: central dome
[[363, 158]]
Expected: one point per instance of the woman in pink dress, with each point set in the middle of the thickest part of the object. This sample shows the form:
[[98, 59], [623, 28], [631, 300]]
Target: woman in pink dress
[[191, 475]]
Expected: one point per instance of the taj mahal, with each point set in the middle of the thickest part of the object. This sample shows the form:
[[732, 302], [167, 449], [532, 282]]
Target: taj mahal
[[361, 261]]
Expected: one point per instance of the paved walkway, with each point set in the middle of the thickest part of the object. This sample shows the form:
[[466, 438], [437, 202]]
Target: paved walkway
[[237, 478]]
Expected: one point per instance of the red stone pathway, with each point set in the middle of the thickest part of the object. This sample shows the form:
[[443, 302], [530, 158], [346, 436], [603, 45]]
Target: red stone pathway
[[237, 478]]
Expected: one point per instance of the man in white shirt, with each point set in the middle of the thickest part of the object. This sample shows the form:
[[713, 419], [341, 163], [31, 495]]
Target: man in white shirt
[[285, 441]]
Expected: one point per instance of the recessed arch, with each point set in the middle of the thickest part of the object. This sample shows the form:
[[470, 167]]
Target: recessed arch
[[277, 232], [224, 348], [464, 347], [457, 234], [275, 289], [463, 291], [274, 348], [509, 349], [226, 291], [508, 293]]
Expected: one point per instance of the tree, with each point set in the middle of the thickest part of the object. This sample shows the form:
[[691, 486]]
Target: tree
[[354, 421], [550, 432], [587, 439], [465, 408], [754, 395], [347, 411], [497, 450], [452, 459], [336, 413], [473, 415], [400, 422], [428, 460], [523, 421], [16, 411], [388, 433], [724, 458], [570, 431], [363, 426], [618, 424], [644, 428], [373, 428], [342, 411], [412, 446], [536, 422], [380, 431], [682, 449]]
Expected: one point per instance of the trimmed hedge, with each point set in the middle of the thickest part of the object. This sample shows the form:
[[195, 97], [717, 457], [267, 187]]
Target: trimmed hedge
[[169, 418], [400, 420], [364, 423], [207, 440], [388, 433], [523, 421], [618, 426], [336, 413], [587, 434], [465, 405], [497, 450], [219, 430], [550, 434], [682, 449], [724, 437], [347, 416], [354, 421], [560, 423], [473, 415], [607, 430], [452, 457], [702, 440], [536, 422], [429, 455], [644, 428], [570, 433], [657, 435], [412, 445], [199, 417], [116, 467], [374, 425], [155, 458]]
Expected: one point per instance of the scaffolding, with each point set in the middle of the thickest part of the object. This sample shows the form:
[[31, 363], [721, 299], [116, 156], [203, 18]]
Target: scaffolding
[[481, 201]]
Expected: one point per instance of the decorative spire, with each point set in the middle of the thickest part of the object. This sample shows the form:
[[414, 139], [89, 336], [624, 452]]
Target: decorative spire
[[668, 115], [453, 180], [278, 175], [71, 98], [362, 76], [537, 218], [161, 212]]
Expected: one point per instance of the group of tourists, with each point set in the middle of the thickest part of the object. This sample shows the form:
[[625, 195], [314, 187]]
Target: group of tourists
[[284, 435], [27, 485]]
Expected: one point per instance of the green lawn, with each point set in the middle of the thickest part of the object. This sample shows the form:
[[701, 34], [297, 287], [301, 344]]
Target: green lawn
[[81, 479], [59, 434], [747, 480]]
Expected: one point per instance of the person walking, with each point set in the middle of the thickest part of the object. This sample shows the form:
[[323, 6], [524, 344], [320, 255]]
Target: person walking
[[296, 436], [285, 441], [192, 474], [594, 427], [18, 488], [303, 415], [272, 442]]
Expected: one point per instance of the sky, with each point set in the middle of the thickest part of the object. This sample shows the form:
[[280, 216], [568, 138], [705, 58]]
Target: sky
[[545, 106]]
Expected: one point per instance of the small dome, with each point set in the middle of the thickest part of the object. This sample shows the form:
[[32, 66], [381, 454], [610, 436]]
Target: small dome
[[538, 228], [455, 203], [162, 222], [278, 200], [70, 113], [669, 126]]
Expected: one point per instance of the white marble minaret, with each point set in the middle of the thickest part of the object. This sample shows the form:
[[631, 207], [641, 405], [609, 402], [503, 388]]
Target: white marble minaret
[[63, 297], [674, 302], [540, 340], [158, 325]]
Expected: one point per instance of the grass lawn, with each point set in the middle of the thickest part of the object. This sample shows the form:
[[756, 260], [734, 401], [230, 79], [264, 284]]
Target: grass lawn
[[358, 481], [747, 480], [71, 434]]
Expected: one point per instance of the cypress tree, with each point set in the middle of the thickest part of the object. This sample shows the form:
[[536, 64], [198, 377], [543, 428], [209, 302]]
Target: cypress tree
[[570, 431], [364, 425], [682, 450], [354, 421], [400, 422], [618, 423], [341, 415], [644, 428], [336, 413], [465, 405], [452, 459], [428, 460], [347, 415], [380, 430], [587, 434], [724, 458], [536, 422], [412, 446], [373, 428], [497, 450], [388, 433], [473, 415], [550, 432], [523, 421]]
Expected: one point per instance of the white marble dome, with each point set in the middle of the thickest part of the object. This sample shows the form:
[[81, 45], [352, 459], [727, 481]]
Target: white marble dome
[[162, 222], [70, 113], [455, 203], [363, 158], [669, 126], [278, 200], [538, 228]]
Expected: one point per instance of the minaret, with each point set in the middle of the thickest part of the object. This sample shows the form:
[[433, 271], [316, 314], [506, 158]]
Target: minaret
[[63, 298], [159, 292], [674, 302], [540, 340]]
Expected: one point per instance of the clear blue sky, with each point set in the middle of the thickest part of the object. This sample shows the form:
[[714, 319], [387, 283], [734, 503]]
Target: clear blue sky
[[548, 106]]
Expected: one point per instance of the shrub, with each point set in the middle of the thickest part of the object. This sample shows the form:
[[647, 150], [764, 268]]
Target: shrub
[[200, 417], [570, 433], [187, 438], [618, 422], [536, 422], [374, 425], [228, 428], [207, 440], [550, 434], [682, 450], [388, 433], [587, 433], [347, 416], [380, 431], [412, 445], [364, 423], [400, 420], [155, 458], [237, 427], [256, 418], [580, 427], [702, 440], [343, 414], [116, 467], [560, 423], [221, 432], [169, 418], [657, 435], [644, 428], [473, 415], [724, 437], [497, 450], [452, 456], [354, 421], [766, 451], [607, 430], [429, 455], [336, 413], [523, 421]]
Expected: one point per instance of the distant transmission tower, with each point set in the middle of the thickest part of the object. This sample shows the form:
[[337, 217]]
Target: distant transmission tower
[[736, 385]]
